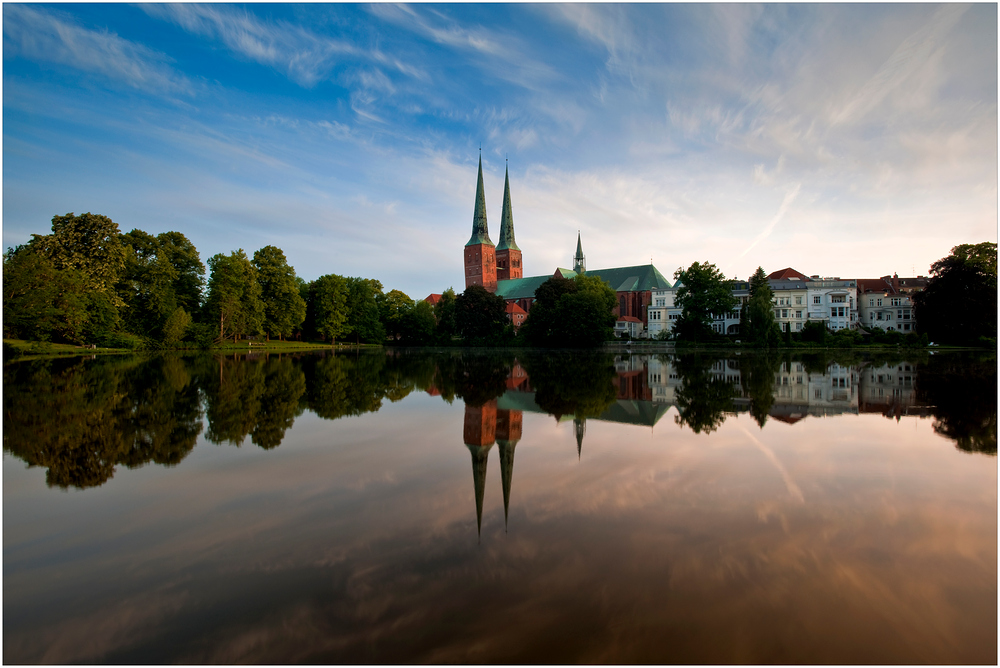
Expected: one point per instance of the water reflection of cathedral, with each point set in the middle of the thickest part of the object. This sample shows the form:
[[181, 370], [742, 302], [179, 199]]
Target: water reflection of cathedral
[[647, 386]]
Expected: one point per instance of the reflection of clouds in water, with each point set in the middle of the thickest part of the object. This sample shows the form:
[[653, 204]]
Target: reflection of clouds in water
[[653, 539]]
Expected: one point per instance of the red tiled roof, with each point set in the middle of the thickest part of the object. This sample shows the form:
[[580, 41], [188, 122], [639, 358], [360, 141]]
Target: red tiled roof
[[787, 274], [628, 318], [512, 307], [433, 299]]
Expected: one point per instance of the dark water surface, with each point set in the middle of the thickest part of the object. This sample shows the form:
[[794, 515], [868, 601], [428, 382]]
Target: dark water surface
[[415, 507]]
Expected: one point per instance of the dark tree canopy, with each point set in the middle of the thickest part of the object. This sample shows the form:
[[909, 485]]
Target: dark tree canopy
[[571, 313], [959, 305], [704, 291], [481, 316]]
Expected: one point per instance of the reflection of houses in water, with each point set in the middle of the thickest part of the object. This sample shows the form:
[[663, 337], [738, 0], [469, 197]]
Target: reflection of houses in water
[[889, 389], [799, 393]]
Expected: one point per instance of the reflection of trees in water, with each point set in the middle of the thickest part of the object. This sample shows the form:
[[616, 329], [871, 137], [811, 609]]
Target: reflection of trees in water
[[474, 377], [961, 389], [757, 374], [79, 419], [581, 384], [703, 399]]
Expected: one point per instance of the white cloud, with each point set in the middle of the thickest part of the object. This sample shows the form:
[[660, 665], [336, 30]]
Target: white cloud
[[49, 37]]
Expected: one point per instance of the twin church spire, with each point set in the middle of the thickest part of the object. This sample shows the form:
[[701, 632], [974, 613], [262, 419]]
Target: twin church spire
[[486, 263]]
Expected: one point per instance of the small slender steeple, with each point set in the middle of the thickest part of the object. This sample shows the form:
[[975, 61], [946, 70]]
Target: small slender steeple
[[506, 473], [480, 229], [579, 261], [506, 219], [580, 425]]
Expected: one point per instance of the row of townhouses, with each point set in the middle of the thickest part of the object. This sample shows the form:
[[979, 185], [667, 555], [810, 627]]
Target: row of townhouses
[[838, 303]]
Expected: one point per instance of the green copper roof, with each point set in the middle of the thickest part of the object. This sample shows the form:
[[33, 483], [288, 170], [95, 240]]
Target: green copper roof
[[480, 230], [507, 219], [520, 288], [622, 279], [635, 279]]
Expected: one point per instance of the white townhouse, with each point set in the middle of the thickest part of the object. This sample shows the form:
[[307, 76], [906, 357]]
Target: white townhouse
[[791, 306], [833, 301]]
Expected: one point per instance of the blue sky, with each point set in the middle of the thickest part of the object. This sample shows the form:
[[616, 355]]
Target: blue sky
[[842, 140]]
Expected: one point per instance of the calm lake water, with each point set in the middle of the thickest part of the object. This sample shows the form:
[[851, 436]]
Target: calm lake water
[[532, 507]]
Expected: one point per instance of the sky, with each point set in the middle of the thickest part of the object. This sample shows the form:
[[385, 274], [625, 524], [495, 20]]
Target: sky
[[842, 140]]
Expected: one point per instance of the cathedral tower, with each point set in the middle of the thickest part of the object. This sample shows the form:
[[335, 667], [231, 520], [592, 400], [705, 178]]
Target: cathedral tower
[[508, 254], [480, 253]]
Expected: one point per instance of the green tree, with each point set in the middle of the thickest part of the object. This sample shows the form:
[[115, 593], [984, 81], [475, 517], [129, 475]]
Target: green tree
[[393, 308], [419, 324], [959, 305], [542, 327], [41, 302], [363, 321], [89, 243], [444, 313], [161, 274], [284, 308], [704, 291], [234, 295], [757, 323], [481, 316], [327, 307]]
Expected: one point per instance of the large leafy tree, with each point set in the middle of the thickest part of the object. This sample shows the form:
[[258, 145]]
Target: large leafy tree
[[959, 305], [704, 291], [89, 243], [284, 308], [363, 296], [41, 302], [234, 296], [757, 323], [574, 313], [444, 314], [419, 324], [481, 316], [393, 310], [327, 307], [160, 284]]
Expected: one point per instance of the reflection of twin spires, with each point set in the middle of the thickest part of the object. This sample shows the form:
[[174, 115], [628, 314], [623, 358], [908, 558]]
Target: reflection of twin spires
[[485, 425]]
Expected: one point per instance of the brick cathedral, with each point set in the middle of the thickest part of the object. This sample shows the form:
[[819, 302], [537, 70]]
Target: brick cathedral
[[499, 268]]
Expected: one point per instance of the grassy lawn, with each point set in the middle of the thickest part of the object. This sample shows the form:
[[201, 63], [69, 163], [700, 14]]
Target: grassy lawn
[[31, 349]]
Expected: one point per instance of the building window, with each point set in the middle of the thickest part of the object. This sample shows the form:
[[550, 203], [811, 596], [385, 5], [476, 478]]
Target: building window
[[817, 299], [878, 302], [784, 313], [837, 299], [798, 301], [871, 302], [798, 314]]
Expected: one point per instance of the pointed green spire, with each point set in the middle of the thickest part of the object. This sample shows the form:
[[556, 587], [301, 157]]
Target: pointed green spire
[[507, 219], [480, 230], [579, 261]]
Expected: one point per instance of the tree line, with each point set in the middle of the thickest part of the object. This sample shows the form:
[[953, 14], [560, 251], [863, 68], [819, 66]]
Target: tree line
[[88, 283]]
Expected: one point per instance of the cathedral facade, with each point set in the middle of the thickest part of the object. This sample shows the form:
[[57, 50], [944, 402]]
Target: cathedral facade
[[499, 268]]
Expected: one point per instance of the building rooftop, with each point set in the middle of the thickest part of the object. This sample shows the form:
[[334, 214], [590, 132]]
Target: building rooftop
[[787, 274]]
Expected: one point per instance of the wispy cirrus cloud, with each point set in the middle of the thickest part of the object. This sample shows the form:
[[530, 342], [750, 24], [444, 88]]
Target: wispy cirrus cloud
[[46, 36], [302, 55]]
